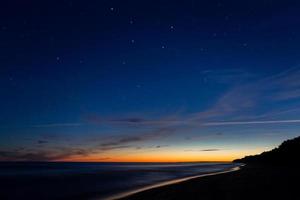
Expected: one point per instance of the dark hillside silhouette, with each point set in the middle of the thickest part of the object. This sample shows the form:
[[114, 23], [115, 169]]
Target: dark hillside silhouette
[[286, 154], [270, 175]]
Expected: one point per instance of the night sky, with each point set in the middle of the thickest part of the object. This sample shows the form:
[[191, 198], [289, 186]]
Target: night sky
[[147, 80]]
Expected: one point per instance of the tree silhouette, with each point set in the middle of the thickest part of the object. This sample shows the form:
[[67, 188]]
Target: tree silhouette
[[285, 154]]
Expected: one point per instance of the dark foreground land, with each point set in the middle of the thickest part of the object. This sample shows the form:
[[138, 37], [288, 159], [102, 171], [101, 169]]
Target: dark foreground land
[[270, 175], [251, 182]]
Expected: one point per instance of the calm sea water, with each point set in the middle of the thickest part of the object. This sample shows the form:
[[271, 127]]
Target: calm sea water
[[90, 180]]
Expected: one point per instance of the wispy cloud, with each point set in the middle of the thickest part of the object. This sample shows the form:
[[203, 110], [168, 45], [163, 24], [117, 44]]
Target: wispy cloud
[[287, 94], [228, 123], [203, 150], [227, 75], [41, 155], [161, 146], [256, 99], [210, 150], [132, 121], [42, 142], [113, 147], [131, 141], [57, 125]]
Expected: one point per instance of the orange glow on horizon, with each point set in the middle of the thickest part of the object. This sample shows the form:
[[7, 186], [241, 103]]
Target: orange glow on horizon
[[226, 156]]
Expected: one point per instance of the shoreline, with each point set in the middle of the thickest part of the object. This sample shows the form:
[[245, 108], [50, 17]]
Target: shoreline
[[255, 181], [127, 194]]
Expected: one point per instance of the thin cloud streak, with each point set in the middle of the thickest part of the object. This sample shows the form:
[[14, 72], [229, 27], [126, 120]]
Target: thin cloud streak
[[250, 122], [57, 125], [207, 150]]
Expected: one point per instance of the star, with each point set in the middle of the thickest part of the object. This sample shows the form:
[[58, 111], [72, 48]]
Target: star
[[112, 9], [58, 58], [172, 27], [132, 41], [163, 47]]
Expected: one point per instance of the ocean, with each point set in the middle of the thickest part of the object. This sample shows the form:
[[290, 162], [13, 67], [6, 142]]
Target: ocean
[[64, 180]]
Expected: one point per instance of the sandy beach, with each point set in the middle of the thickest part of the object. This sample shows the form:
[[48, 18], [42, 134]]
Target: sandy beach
[[251, 182], [171, 182]]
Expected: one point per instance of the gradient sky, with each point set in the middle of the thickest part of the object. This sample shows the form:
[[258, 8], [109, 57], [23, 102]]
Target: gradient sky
[[147, 80]]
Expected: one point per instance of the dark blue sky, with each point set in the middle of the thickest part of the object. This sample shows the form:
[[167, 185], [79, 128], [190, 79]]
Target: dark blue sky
[[103, 79]]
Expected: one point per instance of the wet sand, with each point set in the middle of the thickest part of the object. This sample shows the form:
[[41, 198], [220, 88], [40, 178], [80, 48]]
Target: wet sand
[[166, 183], [251, 182]]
